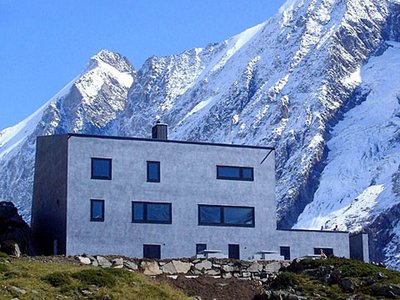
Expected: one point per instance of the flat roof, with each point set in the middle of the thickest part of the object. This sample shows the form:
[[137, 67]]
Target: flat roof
[[315, 230], [166, 141]]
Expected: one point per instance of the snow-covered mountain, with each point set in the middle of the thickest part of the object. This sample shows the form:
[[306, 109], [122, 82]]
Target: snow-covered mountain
[[319, 81], [90, 103]]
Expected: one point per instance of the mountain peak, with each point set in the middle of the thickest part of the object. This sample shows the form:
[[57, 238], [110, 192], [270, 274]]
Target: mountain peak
[[114, 59]]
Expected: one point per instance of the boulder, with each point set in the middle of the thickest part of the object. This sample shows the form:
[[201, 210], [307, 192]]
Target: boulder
[[84, 260], [213, 272], [103, 262], [395, 288], [14, 231], [150, 268], [272, 267], [255, 267], [203, 265], [176, 267], [228, 268], [18, 290], [117, 263], [380, 275], [335, 276], [130, 265], [347, 285], [389, 291], [246, 274], [93, 260], [11, 248], [355, 297]]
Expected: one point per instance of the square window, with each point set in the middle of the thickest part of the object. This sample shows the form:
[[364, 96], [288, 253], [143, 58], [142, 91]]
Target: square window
[[97, 210], [209, 214], [159, 212], [153, 171], [101, 168], [152, 251], [247, 174], [239, 215], [200, 248]]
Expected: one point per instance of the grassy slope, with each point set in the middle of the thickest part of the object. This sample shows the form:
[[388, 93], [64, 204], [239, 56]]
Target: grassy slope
[[50, 280], [312, 283]]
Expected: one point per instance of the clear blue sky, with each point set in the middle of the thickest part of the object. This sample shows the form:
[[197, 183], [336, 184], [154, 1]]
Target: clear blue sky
[[46, 43]]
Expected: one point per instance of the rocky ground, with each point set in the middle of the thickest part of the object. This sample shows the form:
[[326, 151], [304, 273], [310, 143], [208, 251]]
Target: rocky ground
[[116, 277], [208, 288], [333, 278]]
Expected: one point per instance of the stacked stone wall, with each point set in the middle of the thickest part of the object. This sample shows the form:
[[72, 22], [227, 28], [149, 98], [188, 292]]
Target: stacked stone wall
[[259, 270]]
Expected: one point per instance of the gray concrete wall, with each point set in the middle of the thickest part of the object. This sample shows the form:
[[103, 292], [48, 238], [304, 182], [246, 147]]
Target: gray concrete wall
[[50, 193], [188, 178], [359, 246], [303, 242]]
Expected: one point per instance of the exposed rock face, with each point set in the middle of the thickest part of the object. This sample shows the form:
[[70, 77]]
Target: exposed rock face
[[88, 104], [15, 234], [305, 81]]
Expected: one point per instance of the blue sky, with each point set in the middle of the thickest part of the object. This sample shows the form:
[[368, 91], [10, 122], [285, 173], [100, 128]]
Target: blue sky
[[46, 43]]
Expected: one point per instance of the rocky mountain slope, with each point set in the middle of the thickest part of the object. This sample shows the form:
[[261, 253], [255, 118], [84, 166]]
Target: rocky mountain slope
[[318, 81], [92, 102]]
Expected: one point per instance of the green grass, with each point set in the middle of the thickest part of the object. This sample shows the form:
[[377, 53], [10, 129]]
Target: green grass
[[312, 283], [284, 280], [58, 279], [351, 268], [50, 280]]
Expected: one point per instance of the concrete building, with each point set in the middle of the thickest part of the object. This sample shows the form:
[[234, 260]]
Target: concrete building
[[162, 198]]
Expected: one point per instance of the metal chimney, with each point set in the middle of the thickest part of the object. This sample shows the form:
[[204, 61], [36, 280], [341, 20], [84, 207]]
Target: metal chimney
[[160, 131]]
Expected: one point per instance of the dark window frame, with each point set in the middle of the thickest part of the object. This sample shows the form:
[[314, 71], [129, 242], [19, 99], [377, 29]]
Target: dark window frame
[[92, 218], [240, 178], [222, 221], [145, 217], [231, 252], [283, 250], [92, 176], [150, 246], [148, 171], [200, 245]]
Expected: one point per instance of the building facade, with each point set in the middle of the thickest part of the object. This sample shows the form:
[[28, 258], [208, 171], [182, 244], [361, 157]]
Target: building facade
[[159, 198]]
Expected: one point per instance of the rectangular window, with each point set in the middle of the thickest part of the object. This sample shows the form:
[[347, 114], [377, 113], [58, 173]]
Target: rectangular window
[[234, 251], [153, 171], [151, 212], [210, 215], [235, 173], [152, 251], [226, 215], [97, 210], [326, 251], [285, 252], [200, 248], [238, 215], [101, 168]]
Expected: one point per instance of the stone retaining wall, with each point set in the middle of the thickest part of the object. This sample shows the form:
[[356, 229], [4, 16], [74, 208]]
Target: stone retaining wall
[[218, 268]]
